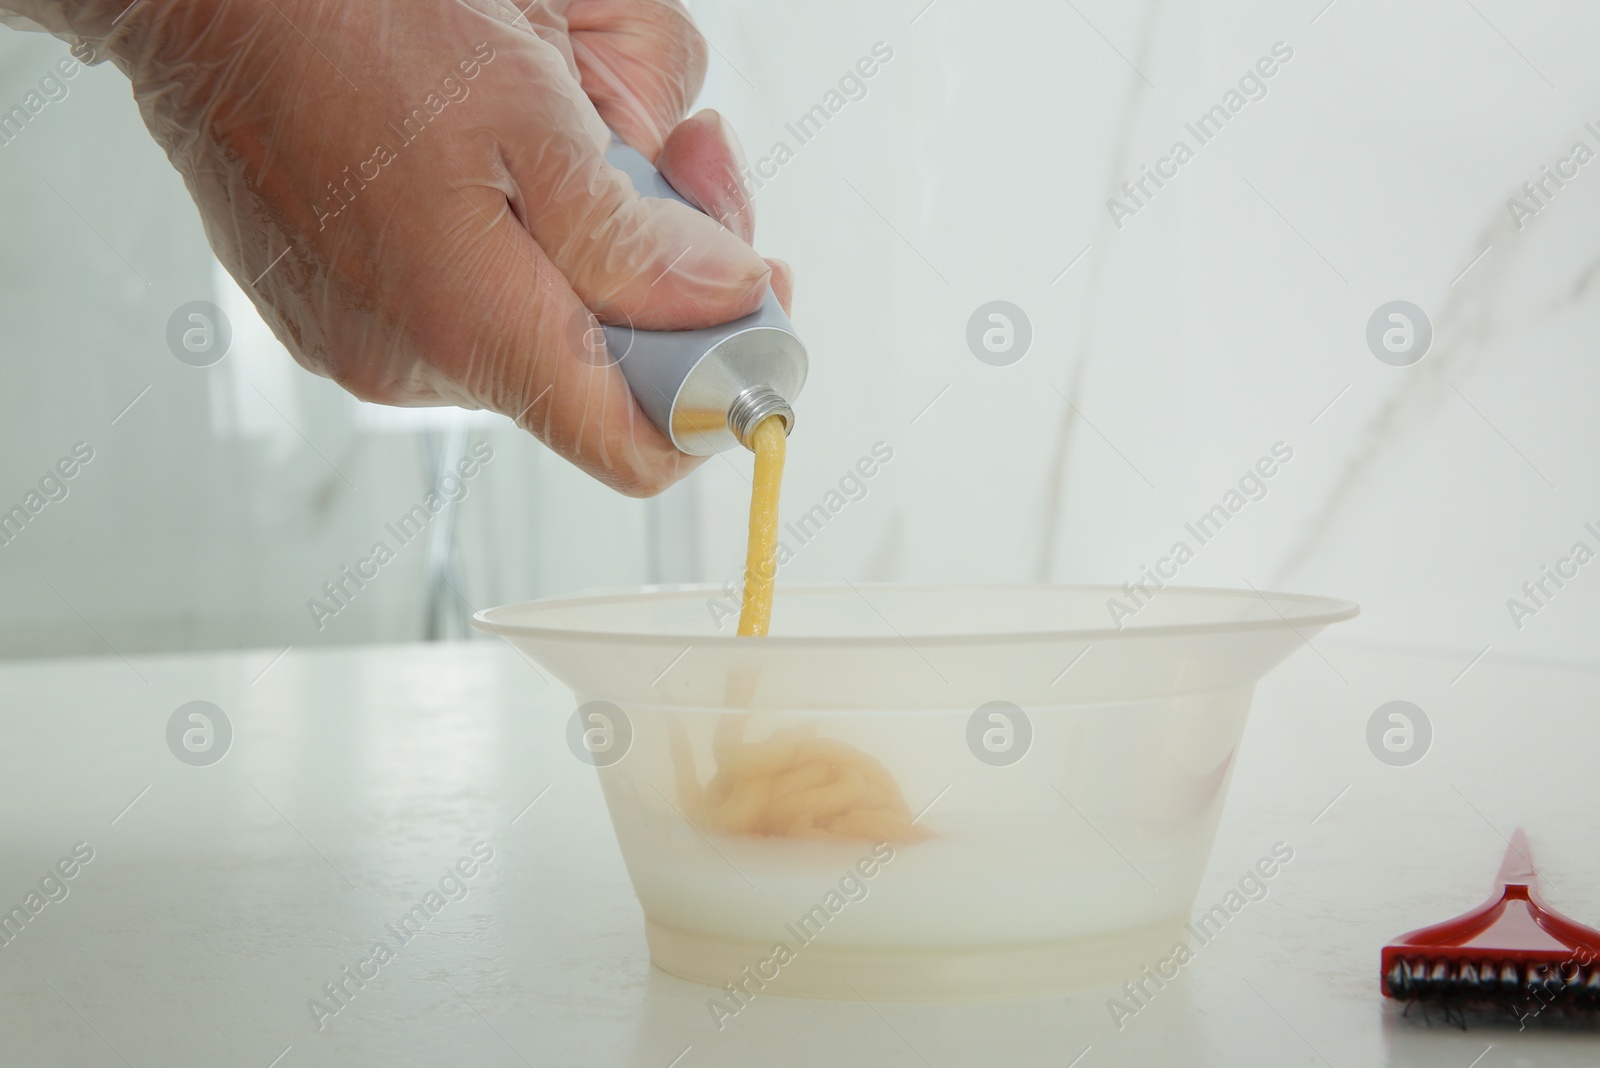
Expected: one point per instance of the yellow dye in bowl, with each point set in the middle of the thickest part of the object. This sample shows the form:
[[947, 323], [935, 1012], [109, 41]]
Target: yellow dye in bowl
[[792, 784]]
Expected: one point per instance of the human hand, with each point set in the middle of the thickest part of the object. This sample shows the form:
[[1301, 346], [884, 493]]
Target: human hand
[[415, 194]]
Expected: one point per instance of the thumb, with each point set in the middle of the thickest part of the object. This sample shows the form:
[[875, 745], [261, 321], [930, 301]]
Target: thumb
[[702, 161], [656, 264]]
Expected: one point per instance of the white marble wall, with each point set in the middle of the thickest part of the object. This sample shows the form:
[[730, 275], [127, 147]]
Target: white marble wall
[[1223, 317]]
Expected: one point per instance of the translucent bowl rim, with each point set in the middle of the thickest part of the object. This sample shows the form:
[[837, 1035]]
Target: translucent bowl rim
[[1317, 612]]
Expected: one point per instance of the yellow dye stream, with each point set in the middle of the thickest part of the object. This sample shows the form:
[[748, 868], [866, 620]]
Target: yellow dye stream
[[792, 784]]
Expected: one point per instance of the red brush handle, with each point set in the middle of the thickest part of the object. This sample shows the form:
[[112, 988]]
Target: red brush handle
[[1517, 868], [1517, 881]]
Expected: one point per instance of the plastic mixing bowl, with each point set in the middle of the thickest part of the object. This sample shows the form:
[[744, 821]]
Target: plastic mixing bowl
[[1068, 775]]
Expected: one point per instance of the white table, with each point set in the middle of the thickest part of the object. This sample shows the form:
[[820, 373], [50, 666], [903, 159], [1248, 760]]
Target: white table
[[224, 897]]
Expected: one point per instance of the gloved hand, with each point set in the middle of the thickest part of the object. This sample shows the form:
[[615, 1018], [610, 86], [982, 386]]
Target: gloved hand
[[415, 196]]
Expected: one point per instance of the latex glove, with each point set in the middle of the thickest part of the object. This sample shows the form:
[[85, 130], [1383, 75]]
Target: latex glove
[[415, 195]]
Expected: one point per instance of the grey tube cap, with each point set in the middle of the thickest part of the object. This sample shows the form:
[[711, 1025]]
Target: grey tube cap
[[690, 382]]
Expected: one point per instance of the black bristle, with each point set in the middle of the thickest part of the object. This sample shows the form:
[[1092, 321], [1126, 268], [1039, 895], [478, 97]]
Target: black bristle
[[1439, 977], [1512, 992]]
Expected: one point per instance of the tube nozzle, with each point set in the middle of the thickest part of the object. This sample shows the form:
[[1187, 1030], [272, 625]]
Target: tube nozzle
[[754, 405]]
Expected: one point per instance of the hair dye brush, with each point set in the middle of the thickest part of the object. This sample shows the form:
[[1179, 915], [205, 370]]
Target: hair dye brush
[[1512, 951]]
